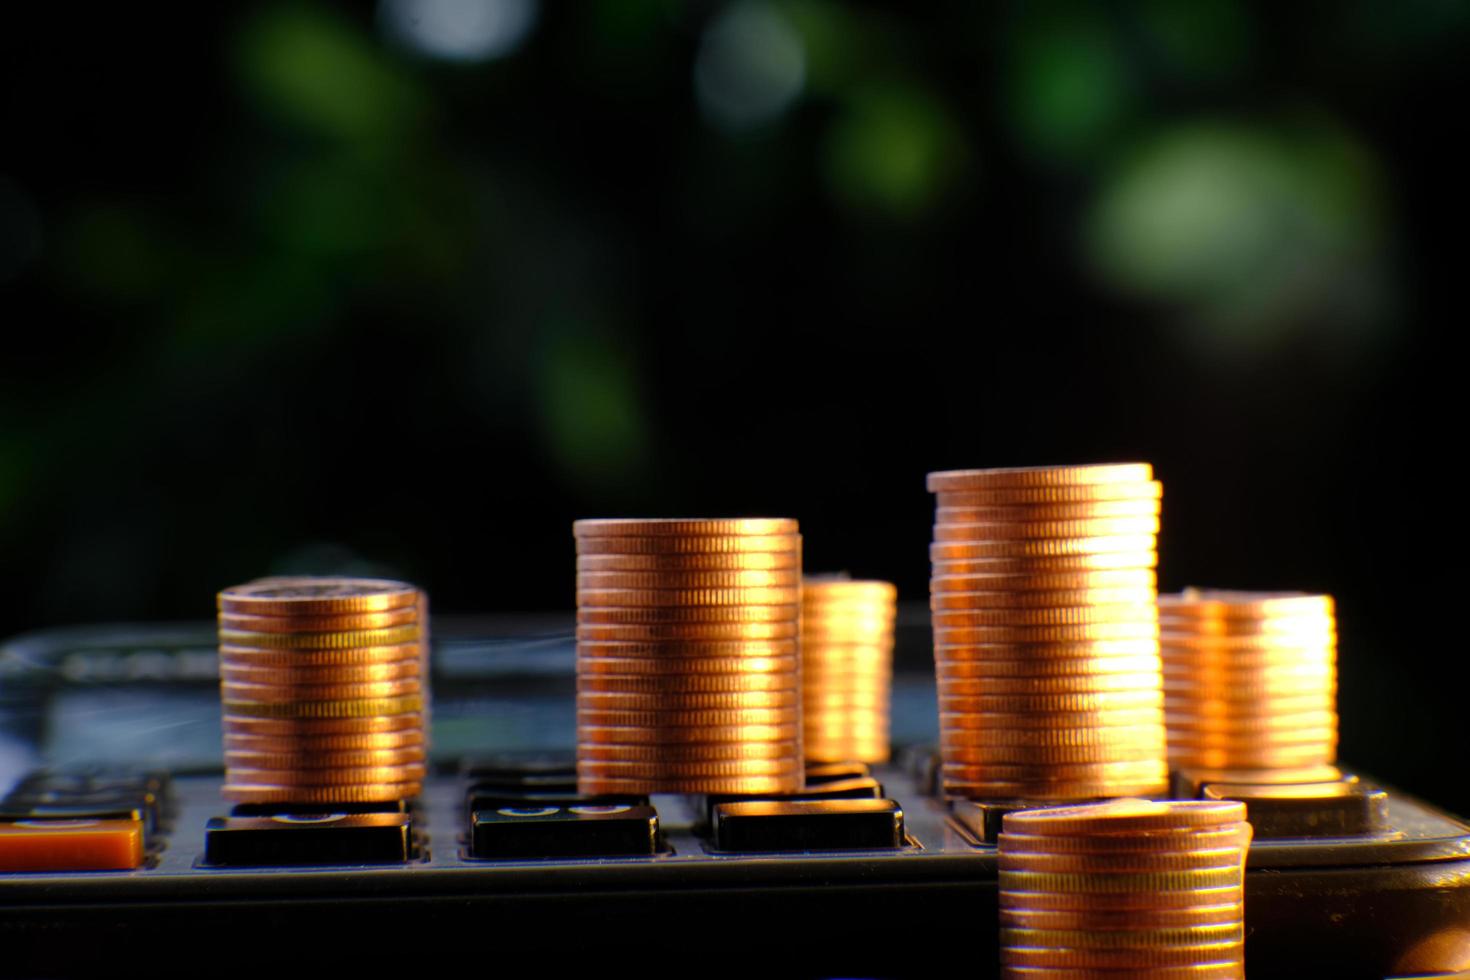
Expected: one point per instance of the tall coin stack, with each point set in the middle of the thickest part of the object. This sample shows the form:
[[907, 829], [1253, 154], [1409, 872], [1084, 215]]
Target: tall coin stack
[[323, 688], [688, 665], [847, 667], [1046, 632], [1250, 680], [1128, 888]]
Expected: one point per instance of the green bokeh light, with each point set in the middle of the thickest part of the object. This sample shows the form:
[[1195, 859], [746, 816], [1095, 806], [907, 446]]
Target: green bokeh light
[[1068, 83], [591, 417], [894, 149], [322, 74], [1255, 233]]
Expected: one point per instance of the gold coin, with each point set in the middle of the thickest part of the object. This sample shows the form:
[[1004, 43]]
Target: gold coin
[[1297, 646], [1079, 493], [237, 691], [1130, 613], [1094, 701], [380, 793], [689, 649], [1038, 652], [695, 632], [588, 700], [682, 527], [1264, 759], [624, 598], [825, 701], [370, 723], [1181, 918], [1047, 584], [717, 752], [1048, 668], [691, 545], [684, 615], [364, 742], [248, 759], [941, 566], [1132, 862], [1225, 970], [1301, 629], [1230, 675], [1128, 770], [948, 632], [1136, 547], [307, 659], [1081, 510], [1247, 707], [677, 685], [1038, 599], [1113, 882], [1005, 478], [866, 590], [1051, 792], [683, 581], [1074, 684], [789, 767], [1125, 817], [1285, 740], [709, 718], [1116, 939], [1151, 901], [320, 624], [742, 785], [1207, 954], [342, 776], [319, 641], [347, 708], [312, 596], [254, 674], [1177, 840], [708, 562], [1202, 775], [641, 734], [1094, 527], [1223, 603], [1056, 737], [1047, 756], [690, 667], [1089, 718]]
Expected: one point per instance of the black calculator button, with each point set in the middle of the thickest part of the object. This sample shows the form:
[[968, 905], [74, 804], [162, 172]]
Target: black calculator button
[[808, 825], [531, 830], [308, 838]]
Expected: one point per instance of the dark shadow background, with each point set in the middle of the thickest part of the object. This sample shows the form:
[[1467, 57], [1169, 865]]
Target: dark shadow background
[[389, 289]]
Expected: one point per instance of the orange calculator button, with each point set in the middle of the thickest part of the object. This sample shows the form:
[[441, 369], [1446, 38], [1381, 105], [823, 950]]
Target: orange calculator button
[[71, 845]]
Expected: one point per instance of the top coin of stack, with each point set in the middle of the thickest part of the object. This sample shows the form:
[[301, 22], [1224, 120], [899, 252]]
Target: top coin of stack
[[1046, 632], [847, 667], [1136, 888], [688, 667], [322, 681], [1250, 681]]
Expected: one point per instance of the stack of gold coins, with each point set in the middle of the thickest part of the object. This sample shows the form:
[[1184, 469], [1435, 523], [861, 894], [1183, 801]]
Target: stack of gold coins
[[1127, 888], [847, 667], [323, 685], [1046, 632], [688, 666], [1250, 681]]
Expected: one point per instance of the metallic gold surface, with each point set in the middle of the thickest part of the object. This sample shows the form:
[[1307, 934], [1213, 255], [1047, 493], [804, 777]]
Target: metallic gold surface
[[297, 623], [1045, 628], [1128, 886], [323, 690], [847, 668], [284, 596], [688, 655], [357, 793], [659, 527], [1107, 474]]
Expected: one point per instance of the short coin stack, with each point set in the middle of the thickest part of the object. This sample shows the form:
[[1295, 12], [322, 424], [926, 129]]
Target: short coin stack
[[847, 668], [688, 665], [1046, 632], [1127, 888], [1250, 681], [323, 688]]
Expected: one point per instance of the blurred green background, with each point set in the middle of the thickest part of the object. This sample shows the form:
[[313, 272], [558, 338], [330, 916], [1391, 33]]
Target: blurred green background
[[405, 287]]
